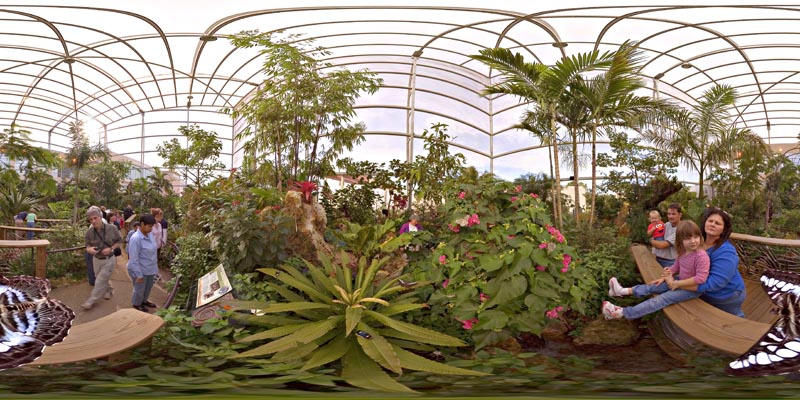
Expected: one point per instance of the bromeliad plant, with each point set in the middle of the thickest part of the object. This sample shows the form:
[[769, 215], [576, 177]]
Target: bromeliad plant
[[500, 268], [331, 312]]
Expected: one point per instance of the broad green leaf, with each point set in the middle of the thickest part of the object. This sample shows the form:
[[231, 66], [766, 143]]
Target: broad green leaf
[[295, 353], [329, 353], [409, 360], [490, 262], [380, 350], [492, 320], [244, 305], [304, 286], [395, 243], [265, 320], [401, 308], [320, 278], [304, 335], [273, 333], [509, 290], [268, 308], [369, 276], [360, 371], [352, 318], [417, 332], [375, 300]]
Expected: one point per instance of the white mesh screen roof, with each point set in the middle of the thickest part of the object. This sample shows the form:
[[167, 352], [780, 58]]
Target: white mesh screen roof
[[136, 70]]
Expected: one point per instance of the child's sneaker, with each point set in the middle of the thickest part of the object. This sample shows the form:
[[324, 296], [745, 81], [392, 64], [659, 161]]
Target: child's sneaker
[[611, 311], [614, 288]]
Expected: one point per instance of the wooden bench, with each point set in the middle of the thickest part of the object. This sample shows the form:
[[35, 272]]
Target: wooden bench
[[112, 337], [40, 248], [705, 323]]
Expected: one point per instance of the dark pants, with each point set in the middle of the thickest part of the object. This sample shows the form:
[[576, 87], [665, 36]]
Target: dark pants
[[90, 269]]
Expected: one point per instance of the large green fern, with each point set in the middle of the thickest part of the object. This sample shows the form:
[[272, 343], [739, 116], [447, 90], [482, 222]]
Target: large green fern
[[332, 313]]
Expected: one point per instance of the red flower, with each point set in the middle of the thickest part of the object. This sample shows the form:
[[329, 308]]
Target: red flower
[[445, 283], [518, 188], [513, 198], [306, 188], [461, 195], [467, 324], [443, 259], [540, 268], [454, 228], [483, 297], [534, 195], [473, 220]]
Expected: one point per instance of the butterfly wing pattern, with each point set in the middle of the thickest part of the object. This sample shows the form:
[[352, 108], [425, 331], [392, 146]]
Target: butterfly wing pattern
[[778, 351], [29, 321]]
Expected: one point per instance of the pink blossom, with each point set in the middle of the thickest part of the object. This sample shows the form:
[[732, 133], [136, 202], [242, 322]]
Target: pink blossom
[[235, 203], [442, 259], [543, 245], [567, 259], [461, 195], [518, 188], [233, 170], [540, 268], [513, 198], [511, 237], [467, 324], [534, 195], [473, 220], [445, 283], [553, 314], [483, 297], [454, 228], [469, 256], [556, 234]]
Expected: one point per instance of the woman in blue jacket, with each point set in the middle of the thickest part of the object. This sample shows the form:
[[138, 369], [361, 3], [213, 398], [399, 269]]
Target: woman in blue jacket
[[724, 287]]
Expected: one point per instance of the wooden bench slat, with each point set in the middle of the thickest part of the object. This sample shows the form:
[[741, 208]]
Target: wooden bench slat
[[703, 322], [123, 330]]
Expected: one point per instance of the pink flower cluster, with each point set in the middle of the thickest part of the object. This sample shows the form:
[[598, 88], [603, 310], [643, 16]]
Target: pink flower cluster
[[556, 234], [540, 268], [443, 259], [445, 283], [467, 324], [454, 228], [513, 198], [473, 220], [553, 314], [534, 195], [567, 259], [518, 188], [461, 195], [483, 297]]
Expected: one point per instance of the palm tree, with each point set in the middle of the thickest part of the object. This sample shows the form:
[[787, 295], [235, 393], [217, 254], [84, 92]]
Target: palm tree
[[704, 136], [544, 86], [611, 101], [80, 154]]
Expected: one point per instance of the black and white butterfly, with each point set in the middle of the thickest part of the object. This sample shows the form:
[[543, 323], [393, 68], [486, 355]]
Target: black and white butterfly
[[29, 321], [778, 351]]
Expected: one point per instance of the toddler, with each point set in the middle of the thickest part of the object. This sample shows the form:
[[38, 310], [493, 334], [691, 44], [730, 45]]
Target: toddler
[[656, 228]]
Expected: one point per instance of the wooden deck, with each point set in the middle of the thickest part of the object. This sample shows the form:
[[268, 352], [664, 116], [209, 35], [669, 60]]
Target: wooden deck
[[707, 324]]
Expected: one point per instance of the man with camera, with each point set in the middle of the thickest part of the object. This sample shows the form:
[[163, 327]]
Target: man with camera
[[103, 243]]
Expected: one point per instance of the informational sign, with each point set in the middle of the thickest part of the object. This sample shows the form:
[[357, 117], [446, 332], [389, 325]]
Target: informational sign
[[212, 286]]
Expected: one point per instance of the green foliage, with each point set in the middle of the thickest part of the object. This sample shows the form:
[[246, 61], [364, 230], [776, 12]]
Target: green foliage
[[428, 174], [372, 241], [195, 258], [199, 161], [332, 313], [79, 155], [300, 119], [500, 268], [358, 203], [105, 180], [70, 264], [245, 238], [14, 199]]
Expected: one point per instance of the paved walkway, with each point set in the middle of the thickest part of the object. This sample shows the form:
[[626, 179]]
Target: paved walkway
[[76, 294]]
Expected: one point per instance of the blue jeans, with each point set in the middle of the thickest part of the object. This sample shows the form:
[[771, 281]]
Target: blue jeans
[[30, 233], [141, 291], [665, 297], [665, 262], [731, 305]]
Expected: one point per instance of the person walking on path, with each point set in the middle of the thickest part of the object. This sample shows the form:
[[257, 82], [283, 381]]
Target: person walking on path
[[31, 219], [143, 262], [101, 241]]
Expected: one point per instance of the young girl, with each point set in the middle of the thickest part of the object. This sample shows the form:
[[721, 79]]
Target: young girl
[[691, 266]]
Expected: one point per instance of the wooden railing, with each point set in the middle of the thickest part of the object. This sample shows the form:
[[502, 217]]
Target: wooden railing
[[39, 247], [758, 253]]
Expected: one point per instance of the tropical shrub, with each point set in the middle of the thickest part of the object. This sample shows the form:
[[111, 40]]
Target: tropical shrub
[[500, 268], [332, 312], [195, 257]]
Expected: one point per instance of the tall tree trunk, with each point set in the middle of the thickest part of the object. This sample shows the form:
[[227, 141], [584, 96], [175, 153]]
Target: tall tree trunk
[[577, 209], [557, 182], [75, 208], [594, 173]]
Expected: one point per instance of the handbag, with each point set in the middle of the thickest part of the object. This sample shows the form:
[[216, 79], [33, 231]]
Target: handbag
[[117, 251]]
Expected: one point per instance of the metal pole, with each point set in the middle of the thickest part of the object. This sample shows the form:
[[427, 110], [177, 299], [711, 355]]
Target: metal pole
[[410, 105]]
